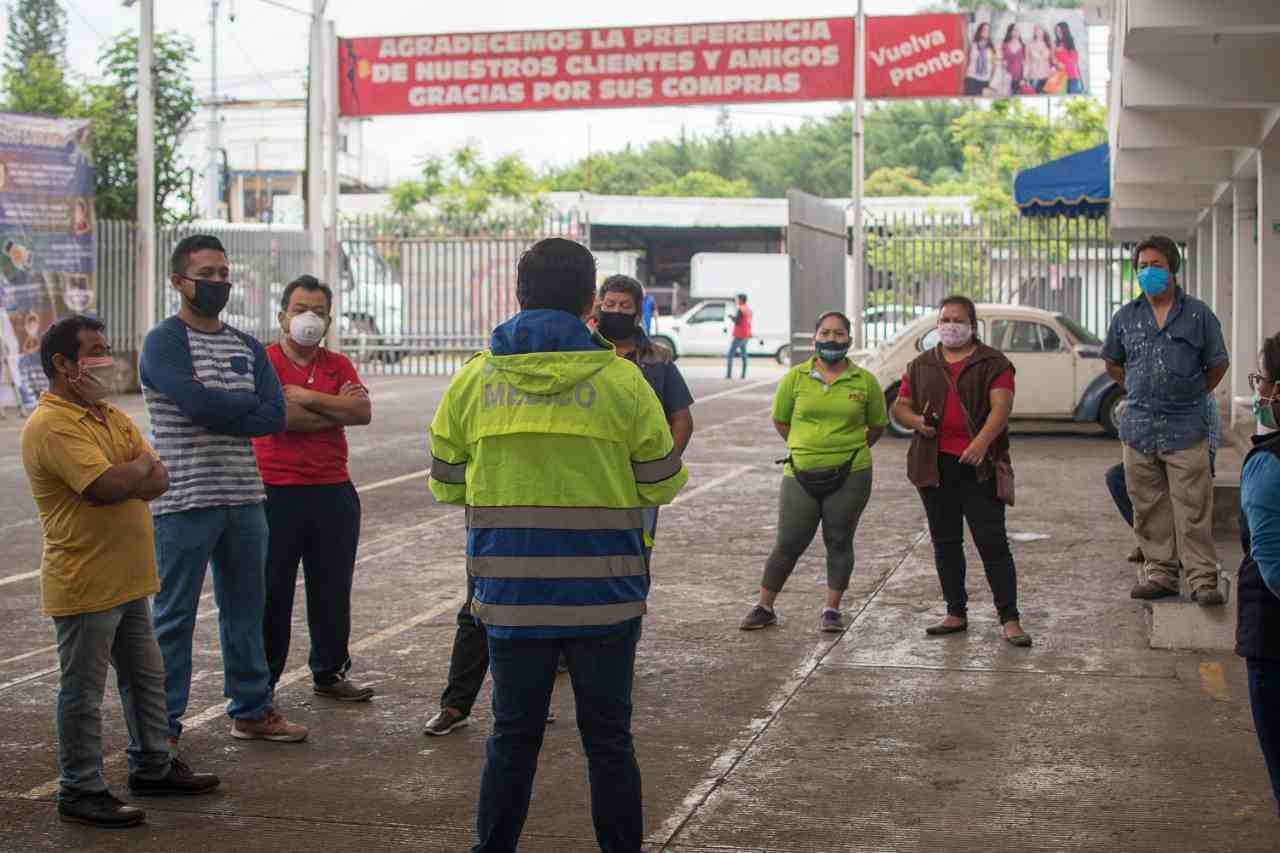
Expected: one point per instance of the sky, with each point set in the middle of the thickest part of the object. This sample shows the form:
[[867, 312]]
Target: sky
[[262, 53]]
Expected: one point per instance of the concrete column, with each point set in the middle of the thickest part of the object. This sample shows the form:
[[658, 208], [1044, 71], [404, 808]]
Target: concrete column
[[1244, 304], [1204, 260], [1220, 299], [1268, 297]]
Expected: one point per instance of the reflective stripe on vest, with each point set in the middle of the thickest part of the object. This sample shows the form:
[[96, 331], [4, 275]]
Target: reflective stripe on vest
[[449, 472], [554, 518], [657, 470], [555, 616], [557, 568]]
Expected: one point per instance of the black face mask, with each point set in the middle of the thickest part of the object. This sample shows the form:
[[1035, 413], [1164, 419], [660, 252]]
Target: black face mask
[[615, 326], [211, 296]]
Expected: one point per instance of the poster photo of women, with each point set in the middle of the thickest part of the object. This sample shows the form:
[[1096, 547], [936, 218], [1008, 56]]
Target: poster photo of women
[[1041, 52]]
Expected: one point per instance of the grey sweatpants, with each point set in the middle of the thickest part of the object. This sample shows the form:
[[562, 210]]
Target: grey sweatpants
[[798, 517]]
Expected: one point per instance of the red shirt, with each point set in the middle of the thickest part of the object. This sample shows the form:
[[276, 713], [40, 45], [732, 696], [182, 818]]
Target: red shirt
[[742, 323], [953, 434], [307, 458]]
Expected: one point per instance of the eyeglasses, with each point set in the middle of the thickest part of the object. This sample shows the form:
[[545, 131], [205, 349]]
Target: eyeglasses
[[1257, 380]]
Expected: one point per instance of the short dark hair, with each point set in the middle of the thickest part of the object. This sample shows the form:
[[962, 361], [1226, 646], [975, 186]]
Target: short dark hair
[[966, 303], [742, 297], [189, 246], [623, 284], [63, 338], [1164, 246], [844, 318], [1271, 357], [306, 282], [556, 273]]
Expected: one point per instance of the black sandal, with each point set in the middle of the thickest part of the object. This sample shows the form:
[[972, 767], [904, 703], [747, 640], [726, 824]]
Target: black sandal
[[941, 630]]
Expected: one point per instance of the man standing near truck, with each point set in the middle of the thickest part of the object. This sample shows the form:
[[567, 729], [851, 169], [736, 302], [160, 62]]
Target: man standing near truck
[[741, 335]]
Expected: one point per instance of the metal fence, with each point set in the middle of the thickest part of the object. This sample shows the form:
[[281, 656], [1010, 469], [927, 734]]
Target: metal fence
[[1069, 266]]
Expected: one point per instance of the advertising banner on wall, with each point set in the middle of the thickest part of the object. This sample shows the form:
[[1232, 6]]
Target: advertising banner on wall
[[797, 60], [48, 250], [985, 54]]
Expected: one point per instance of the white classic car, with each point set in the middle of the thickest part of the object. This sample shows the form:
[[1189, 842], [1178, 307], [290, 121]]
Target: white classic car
[[1060, 371]]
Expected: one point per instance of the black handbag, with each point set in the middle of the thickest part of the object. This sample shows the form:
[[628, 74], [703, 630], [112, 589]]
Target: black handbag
[[820, 483]]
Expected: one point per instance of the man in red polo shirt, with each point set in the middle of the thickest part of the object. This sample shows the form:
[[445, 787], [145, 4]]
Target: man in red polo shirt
[[313, 511]]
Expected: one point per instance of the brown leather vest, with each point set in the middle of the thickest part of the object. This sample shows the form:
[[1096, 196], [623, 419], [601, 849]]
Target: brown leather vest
[[928, 377]]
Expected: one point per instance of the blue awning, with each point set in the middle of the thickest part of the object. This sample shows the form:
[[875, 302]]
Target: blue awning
[[1076, 185]]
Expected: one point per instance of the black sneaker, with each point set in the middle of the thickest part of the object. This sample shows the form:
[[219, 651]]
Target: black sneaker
[[830, 622], [758, 618], [344, 691], [101, 810], [1150, 590], [444, 722], [178, 781]]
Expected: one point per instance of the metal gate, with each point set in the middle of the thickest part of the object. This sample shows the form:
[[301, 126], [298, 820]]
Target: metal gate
[[1069, 266], [817, 241], [422, 304]]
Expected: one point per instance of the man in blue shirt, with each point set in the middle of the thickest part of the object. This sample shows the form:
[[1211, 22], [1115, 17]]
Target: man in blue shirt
[[1166, 348]]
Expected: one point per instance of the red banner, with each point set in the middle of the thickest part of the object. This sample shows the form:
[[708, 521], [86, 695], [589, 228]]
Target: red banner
[[916, 56], [796, 60]]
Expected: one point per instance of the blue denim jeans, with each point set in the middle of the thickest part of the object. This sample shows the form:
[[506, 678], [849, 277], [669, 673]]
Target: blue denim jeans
[[1119, 492], [738, 347], [524, 671], [87, 642], [1264, 697], [234, 539]]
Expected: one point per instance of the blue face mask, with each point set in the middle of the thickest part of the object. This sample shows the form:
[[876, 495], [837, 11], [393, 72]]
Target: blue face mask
[[831, 353], [1153, 280]]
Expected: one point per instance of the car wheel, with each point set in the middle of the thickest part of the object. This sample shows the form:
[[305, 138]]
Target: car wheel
[[783, 355], [1112, 411], [896, 428], [668, 343]]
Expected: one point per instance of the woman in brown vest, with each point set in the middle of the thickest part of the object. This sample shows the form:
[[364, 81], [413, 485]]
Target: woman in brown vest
[[957, 397]]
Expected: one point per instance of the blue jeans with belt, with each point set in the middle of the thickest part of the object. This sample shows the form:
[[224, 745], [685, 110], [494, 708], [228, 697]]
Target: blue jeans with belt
[[234, 540], [602, 669], [87, 642]]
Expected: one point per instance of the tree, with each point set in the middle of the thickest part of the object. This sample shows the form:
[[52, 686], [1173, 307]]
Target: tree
[[467, 194], [700, 184], [894, 181], [36, 28], [112, 110], [41, 89]]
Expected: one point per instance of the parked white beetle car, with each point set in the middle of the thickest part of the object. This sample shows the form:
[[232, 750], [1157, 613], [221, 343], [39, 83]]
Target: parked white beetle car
[[1060, 371]]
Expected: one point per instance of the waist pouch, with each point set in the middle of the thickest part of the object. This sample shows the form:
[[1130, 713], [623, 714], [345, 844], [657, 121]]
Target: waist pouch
[[821, 482]]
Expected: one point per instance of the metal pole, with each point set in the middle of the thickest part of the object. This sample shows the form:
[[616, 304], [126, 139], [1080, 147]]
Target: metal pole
[[315, 129], [855, 294], [332, 188], [213, 178], [146, 201]]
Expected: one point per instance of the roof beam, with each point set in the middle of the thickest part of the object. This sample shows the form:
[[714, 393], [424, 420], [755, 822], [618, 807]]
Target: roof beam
[[1197, 16], [1210, 129], [1152, 221], [1174, 166], [1219, 79], [1162, 196]]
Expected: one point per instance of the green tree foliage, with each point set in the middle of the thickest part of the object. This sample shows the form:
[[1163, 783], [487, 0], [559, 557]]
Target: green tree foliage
[[36, 28], [466, 194], [41, 89], [111, 107], [894, 181], [701, 184]]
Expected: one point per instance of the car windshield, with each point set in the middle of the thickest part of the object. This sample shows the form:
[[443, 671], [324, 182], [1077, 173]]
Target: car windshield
[[1080, 333]]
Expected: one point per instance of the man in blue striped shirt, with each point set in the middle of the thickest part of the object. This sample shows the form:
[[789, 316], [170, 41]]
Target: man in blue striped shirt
[[209, 388]]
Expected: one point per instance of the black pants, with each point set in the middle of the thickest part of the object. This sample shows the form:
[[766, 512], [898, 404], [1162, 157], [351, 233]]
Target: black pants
[[1264, 697], [319, 526], [960, 498], [468, 662]]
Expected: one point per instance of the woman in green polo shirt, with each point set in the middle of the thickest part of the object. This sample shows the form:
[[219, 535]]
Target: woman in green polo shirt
[[831, 412]]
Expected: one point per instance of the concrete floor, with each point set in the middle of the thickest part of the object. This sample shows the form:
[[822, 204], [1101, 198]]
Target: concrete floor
[[782, 740]]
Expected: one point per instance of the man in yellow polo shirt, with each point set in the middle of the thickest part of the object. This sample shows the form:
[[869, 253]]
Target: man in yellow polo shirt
[[91, 475]]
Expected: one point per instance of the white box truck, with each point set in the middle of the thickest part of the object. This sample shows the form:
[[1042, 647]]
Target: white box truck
[[715, 280]]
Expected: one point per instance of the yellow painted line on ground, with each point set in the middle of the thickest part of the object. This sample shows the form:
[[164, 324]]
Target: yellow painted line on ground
[[1213, 681]]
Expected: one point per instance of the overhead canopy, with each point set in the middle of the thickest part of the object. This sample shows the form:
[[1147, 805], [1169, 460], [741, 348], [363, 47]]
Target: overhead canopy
[[1076, 185]]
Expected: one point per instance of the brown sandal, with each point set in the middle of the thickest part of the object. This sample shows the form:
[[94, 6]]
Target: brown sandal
[[941, 630]]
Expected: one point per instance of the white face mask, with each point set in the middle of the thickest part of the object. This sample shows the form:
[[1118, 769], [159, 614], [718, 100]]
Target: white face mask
[[955, 335], [307, 329]]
